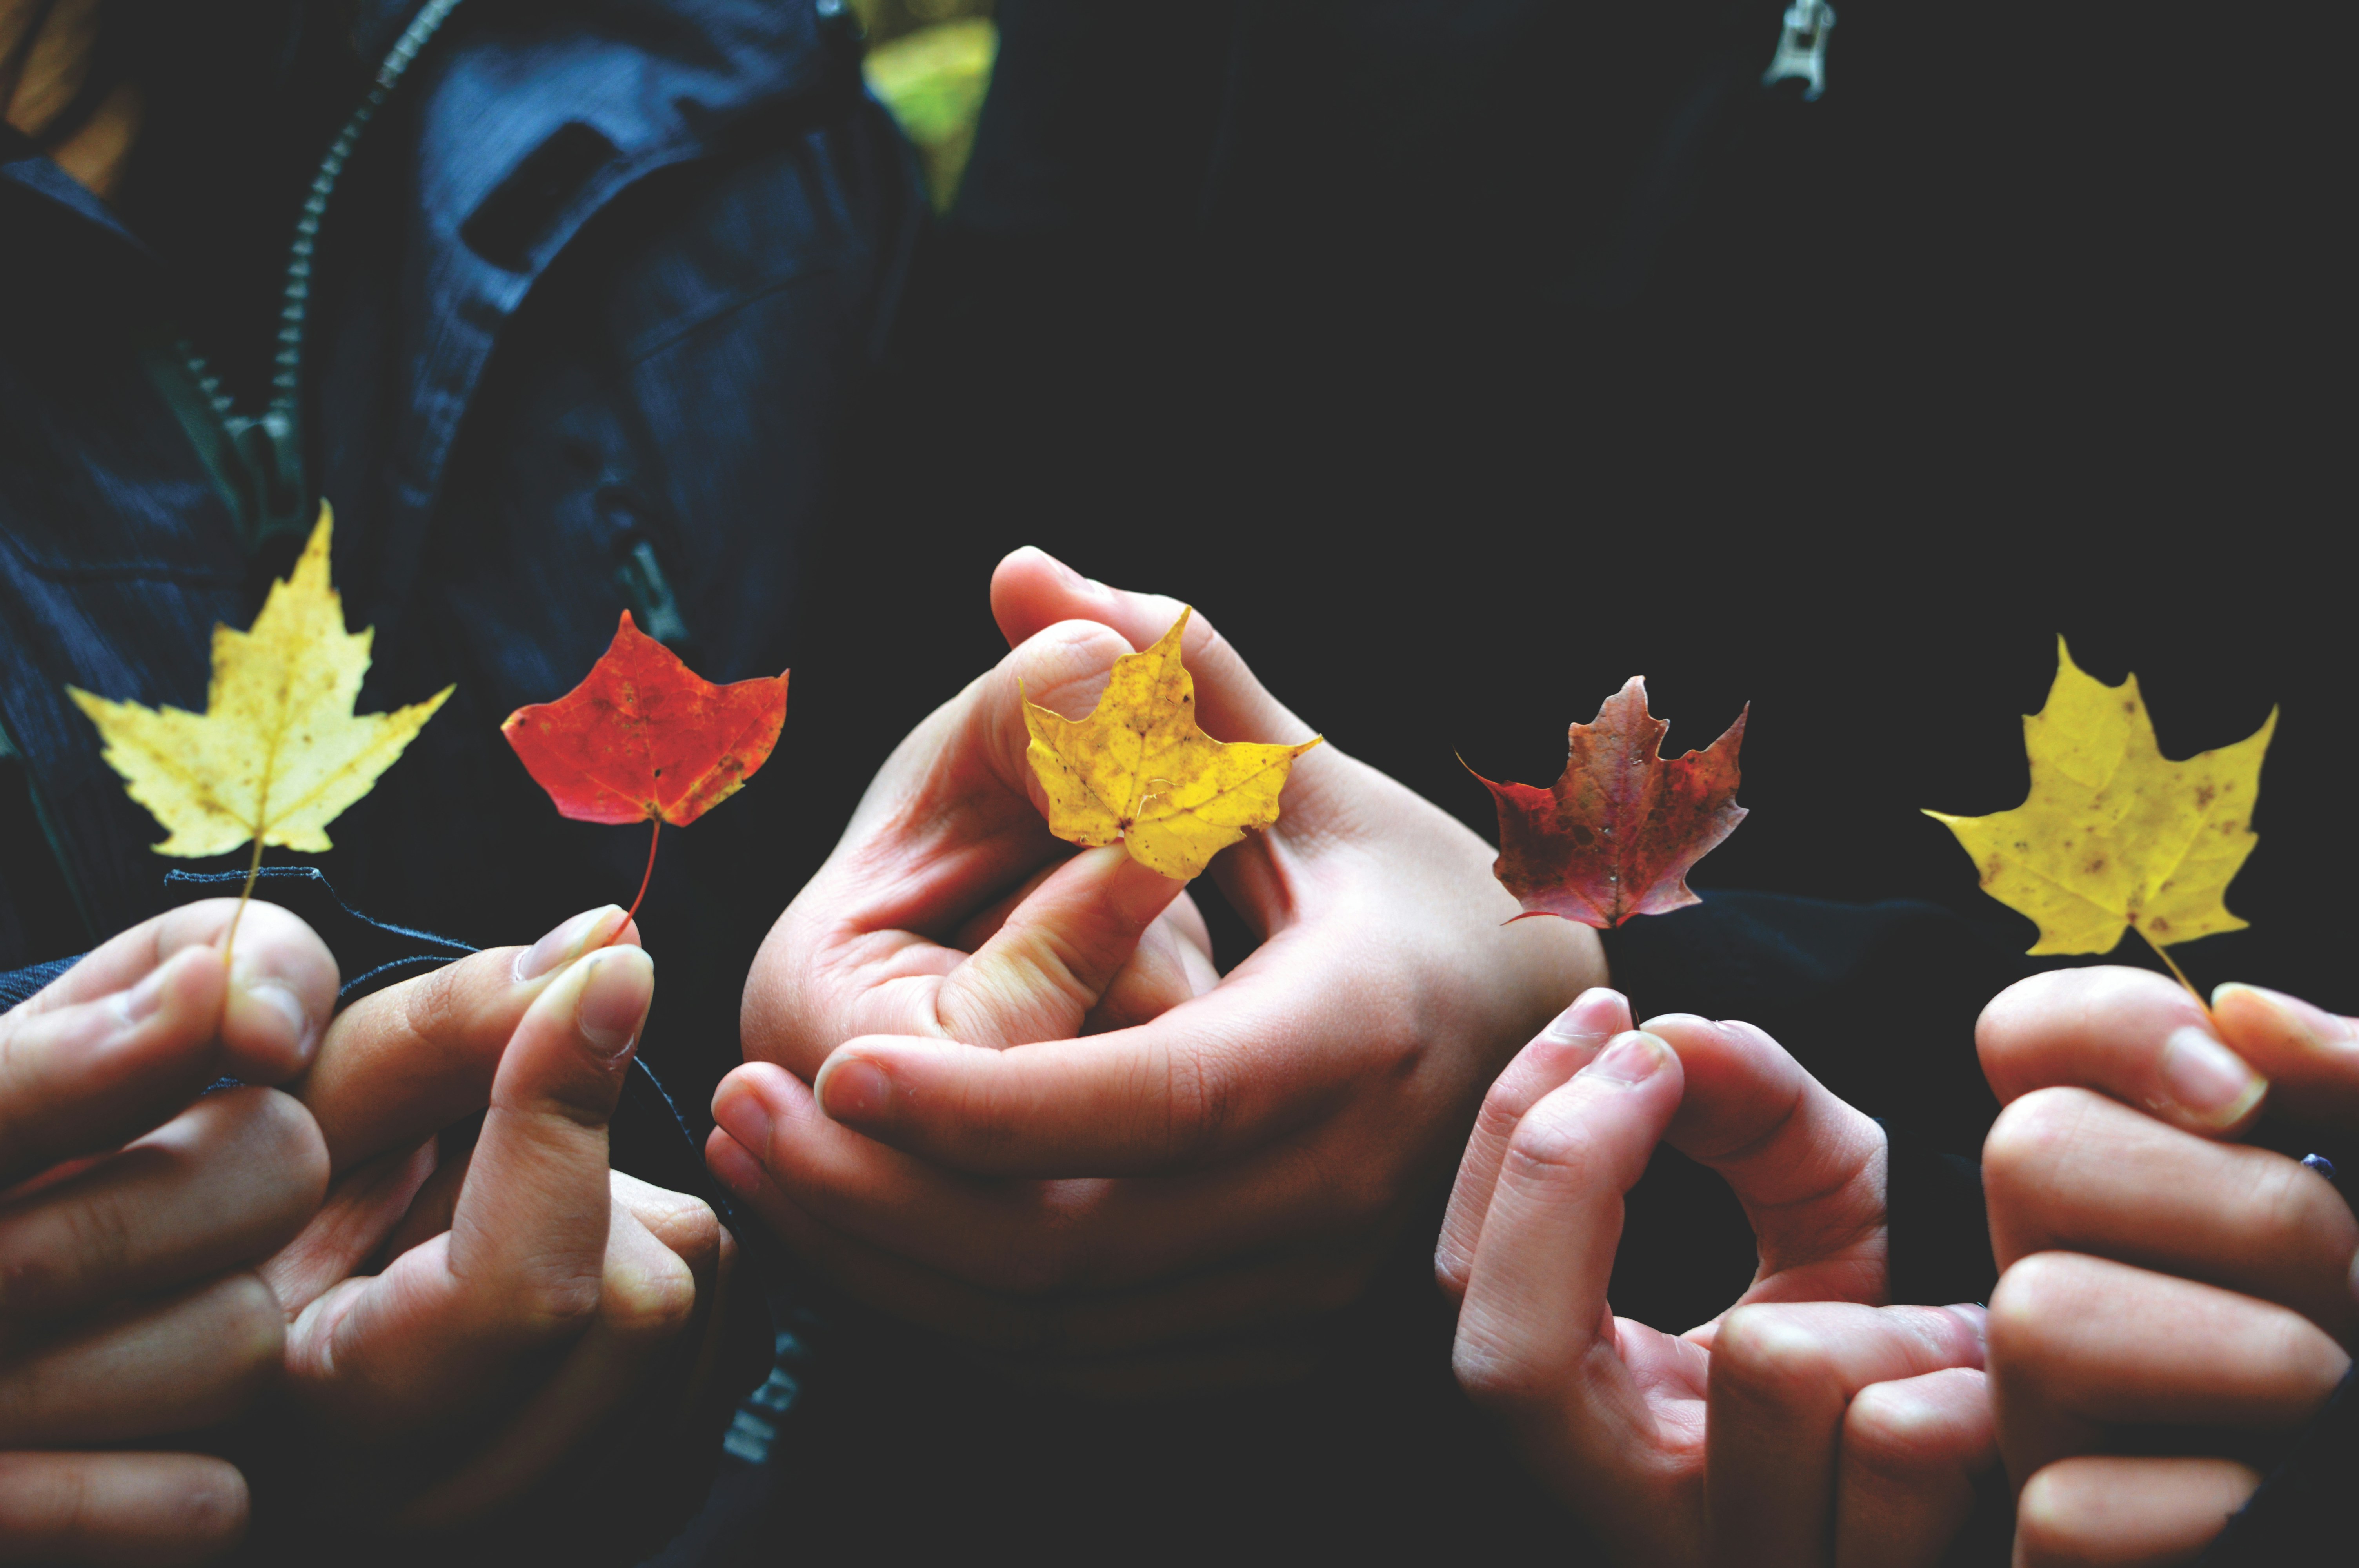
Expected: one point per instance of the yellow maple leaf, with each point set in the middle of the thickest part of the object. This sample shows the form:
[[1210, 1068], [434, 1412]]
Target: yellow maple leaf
[[279, 752], [1138, 772], [2116, 837]]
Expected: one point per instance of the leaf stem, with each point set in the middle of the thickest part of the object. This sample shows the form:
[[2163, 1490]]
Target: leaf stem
[[652, 840], [252, 870], [2177, 973]]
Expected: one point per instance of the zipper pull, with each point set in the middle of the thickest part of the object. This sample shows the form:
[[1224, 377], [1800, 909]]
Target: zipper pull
[[272, 459], [1802, 48]]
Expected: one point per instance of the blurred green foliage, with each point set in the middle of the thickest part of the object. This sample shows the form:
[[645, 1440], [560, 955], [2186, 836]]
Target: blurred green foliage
[[930, 62]]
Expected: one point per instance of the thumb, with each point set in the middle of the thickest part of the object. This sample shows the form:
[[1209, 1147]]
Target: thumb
[[1032, 590], [535, 1190], [1037, 977]]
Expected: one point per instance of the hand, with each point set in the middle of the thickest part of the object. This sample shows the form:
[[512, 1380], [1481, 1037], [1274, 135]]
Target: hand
[[2162, 1286], [1178, 1201], [130, 1310], [1804, 1425], [529, 1291]]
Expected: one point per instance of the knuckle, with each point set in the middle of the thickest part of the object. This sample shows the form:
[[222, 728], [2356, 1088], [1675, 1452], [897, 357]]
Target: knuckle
[[291, 1143], [1764, 1354], [1892, 1434], [100, 1231], [2029, 1137], [653, 1302], [556, 1300], [2032, 1298], [252, 1329], [1198, 1103], [1497, 1380], [1550, 1149], [2292, 1209]]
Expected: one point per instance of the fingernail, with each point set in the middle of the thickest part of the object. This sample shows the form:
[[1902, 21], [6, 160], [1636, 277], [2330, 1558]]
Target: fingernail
[[142, 1000], [2209, 1081], [1975, 1317], [740, 1112], [617, 987], [282, 1002], [853, 1090], [1071, 578], [584, 933], [2314, 1027], [1578, 1024], [1633, 1058]]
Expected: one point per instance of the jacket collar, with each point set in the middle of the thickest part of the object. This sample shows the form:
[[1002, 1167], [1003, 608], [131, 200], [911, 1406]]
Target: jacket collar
[[517, 133]]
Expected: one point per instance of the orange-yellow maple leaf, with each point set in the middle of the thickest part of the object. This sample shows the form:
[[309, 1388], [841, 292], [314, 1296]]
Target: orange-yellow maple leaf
[[1139, 773]]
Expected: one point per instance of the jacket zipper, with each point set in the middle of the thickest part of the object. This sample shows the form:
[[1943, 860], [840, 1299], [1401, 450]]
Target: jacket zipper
[[267, 449]]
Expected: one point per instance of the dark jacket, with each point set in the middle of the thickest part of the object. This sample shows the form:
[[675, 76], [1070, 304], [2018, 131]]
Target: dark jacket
[[592, 300], [591, 303]]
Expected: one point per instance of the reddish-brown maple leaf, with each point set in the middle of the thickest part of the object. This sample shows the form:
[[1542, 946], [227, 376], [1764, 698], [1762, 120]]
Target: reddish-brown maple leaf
[[645, 739], [1617, 834]]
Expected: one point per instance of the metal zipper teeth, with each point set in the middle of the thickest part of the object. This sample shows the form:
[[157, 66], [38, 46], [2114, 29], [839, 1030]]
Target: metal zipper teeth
[[285, 378]]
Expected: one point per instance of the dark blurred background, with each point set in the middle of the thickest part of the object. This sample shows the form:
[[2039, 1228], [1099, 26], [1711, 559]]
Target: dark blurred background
[[1512, 348]]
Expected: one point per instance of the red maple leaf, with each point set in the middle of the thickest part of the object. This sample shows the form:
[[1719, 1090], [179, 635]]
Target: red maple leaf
[[1615, 834], [645, 739]]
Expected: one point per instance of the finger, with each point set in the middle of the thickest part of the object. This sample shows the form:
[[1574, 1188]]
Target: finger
[[1300, 1287], [539, 1168], [2103, 1512], [1809, 1168], [436, 1199], [139, 1510], [359, 1214], [2312, 1055], [1032, 590], [281, 986], [1783, 1375], [221, 1186], [174, 1365], [1911, 1449], [2124, 1033], [2080, 1344], [954, 822], [414, 1057], [2069, 1170], [1037, 1239], [646, 1297], [1045, 967], [520, 1266], [90, 1076], [1535, 1304], [1173, 1093], [1561, 1050], [1169, 967]]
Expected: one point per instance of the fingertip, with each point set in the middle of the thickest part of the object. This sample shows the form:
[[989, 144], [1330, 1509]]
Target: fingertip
[[853, 1090], [749, 1101], [1631, 1058], [1138, 891], [574, 1045], [1596, 1015]]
